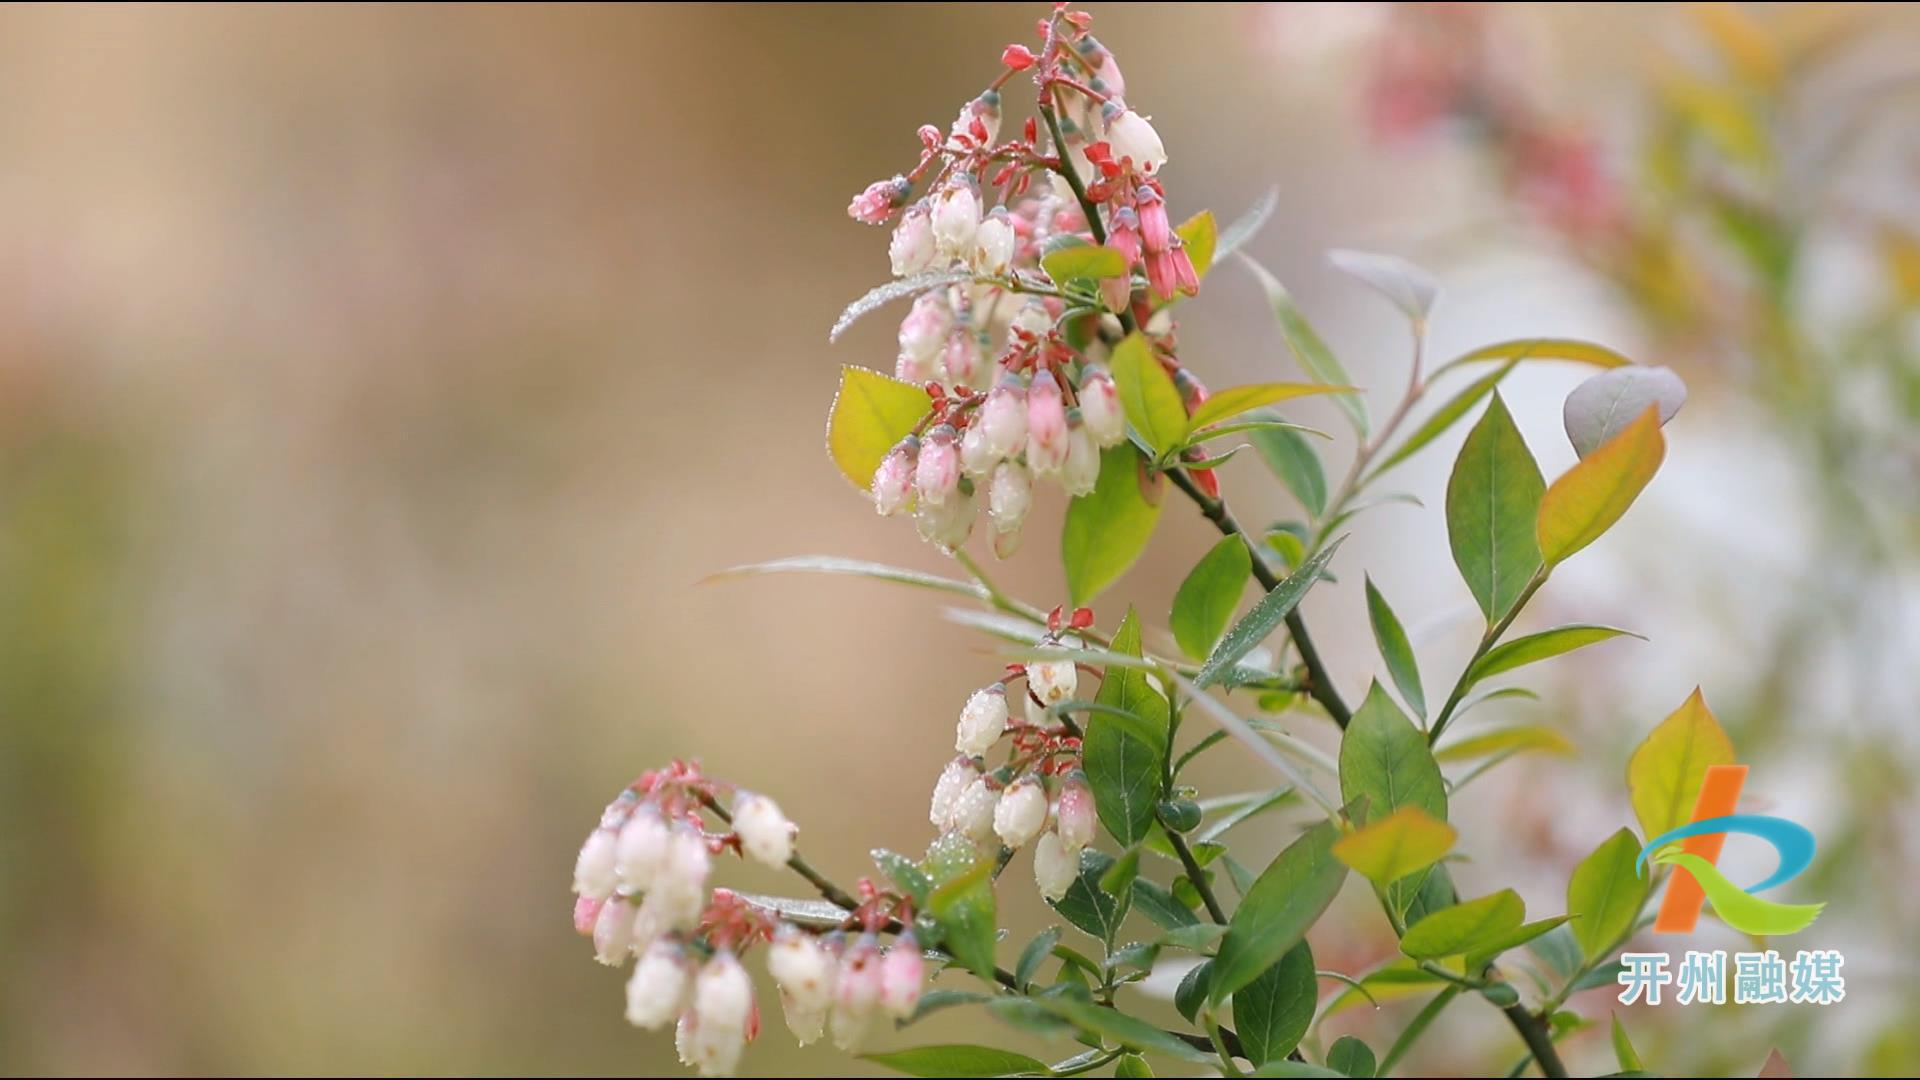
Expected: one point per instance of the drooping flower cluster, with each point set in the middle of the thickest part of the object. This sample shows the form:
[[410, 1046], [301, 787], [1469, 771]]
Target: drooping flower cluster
[[642, 891], [1014, 360], [1039, 796]]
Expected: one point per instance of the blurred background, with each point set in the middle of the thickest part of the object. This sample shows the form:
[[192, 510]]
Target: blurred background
[[377, 385]]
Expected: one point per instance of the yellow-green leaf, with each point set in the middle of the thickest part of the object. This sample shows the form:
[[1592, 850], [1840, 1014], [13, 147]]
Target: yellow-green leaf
[[1404, 842], [1591, 496], [1465, 927], [1605, 893], [1543, 646], [1623, 1051], [1239, 399], [1106, 530], [1665, 773], [1200, 233], [1148, 395], [1584, 352], [1083, 261], [1510, 740], [871, 412]]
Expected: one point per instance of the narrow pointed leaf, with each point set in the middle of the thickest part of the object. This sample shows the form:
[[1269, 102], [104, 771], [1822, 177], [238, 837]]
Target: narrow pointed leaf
[[1396, 650], [1235, 400], [1268, 613], [1307, 346], [1124, 761], [1249, 223], [1405, 285], [1623, 1051], [1284, 901], [880, 295], [1506, 741], [959, 1060], [1293, 459], [1583, 352], [1493, 499], [1542, 646], [1465, 927], [1446, 416]]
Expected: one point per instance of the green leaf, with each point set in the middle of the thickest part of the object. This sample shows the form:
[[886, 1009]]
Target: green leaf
[[1395, 650], [1485, 954], [834, 564], [1120, 1029], [1542, 646], [1506, 740], [1271, 1014], [1666, 770], [1493, 498], [1106, 531], [1405, 285], [1307, 346], [1089, 907], [1156, 902], [1351, 1057], [1076, 261], [1604, 405], [1584, 352], [1285, 900], [1446, 416], [962, 902], [1147, 394], [1035, 954], [901, 870], [1235, 400], [1271, 610], [1404, 842], [1605, 893], [1200, 235], [1132, 1066], [1465, 927], [1284, 1067], [899, 289], [959, 1060], [939, 998], [1191, 994], [1124, 762], [1396, 979], [1293, 460], [1623, 1051], [1591, 496], [1243, 228], [1385, 760], [1204, 605], [871, 412]]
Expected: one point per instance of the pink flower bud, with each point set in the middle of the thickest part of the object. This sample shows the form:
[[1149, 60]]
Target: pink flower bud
[[1021, 812], [959, 774], [923, 337], [993, 245], [911, 250], [956, 216], [765, 834], [1009, 496], [982, 721], [1156, 232], [1074, 814], [1100, 407], [893, 480], [1054, 867], [966, 363], [880, 199], [1081, 471], [1003, 417], [1017, 57], [856, 993], [585, 911], [1046, 425], [937, 474], [594, 872], [976, 457], [659, 987], [1131, 136], [902, 975], [947, 524], [613, 932]]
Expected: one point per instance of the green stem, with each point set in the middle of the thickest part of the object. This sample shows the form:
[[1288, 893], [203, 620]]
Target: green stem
[[1487, 641], [1197, 875], [1533, 1030]]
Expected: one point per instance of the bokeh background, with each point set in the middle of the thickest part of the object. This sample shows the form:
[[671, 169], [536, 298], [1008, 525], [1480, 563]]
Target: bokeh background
[[378, 384]]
